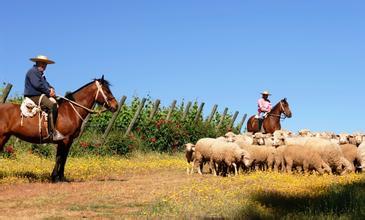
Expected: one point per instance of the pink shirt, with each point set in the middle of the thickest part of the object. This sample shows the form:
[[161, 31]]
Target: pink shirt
[[263, 105]]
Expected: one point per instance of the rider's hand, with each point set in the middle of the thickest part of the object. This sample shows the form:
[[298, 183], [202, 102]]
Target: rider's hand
[[52, 93]]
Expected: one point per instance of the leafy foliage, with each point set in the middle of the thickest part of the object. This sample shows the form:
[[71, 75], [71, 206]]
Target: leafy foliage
[[157, 133]]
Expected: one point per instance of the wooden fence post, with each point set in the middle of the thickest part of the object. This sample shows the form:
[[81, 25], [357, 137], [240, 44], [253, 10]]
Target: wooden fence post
[[114, 117], [139, 109], [222, 118], [200, 109], [171, 109], [5, 93], [233, 119], [186, 111], [241, 123], [154, 110], [212, 113]]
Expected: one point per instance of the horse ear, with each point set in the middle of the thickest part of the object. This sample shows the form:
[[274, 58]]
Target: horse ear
[[102, 78]]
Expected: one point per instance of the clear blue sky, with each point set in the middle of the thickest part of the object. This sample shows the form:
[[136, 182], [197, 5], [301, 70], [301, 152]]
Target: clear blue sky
[[219, 52]]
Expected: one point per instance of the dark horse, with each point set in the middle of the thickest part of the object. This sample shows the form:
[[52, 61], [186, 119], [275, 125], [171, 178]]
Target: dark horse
[[272, 122], [70, 118]]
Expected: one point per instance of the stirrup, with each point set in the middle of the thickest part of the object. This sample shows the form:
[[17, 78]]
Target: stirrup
[[57, 136]]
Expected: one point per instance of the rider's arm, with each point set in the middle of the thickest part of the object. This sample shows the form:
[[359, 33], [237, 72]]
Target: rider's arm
[[38, 83]]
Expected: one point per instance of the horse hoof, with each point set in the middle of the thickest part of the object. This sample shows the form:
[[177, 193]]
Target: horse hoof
[[64, 180], [55, 179]]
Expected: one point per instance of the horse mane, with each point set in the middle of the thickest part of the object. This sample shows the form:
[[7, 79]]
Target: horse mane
[[69, 95], [277, 104]]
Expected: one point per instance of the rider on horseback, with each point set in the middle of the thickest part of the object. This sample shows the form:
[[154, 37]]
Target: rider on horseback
[[40, 91], [264, 107]]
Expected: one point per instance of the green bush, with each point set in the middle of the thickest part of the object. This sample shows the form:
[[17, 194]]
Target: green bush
[[157, 134], [120, 145], [45, 150]]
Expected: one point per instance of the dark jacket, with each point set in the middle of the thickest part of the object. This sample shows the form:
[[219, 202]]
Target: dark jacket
[[36, 83]]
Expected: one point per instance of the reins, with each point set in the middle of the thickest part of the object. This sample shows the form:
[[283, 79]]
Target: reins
[[91, 111], [280, 115]]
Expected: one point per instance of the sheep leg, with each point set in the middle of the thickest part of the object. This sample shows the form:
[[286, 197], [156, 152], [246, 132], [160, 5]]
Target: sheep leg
[[198, 165], [213, 167], [235, 169], [289, 165], [305, 167]]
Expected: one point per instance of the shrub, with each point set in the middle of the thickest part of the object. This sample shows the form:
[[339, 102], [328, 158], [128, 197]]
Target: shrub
[[45, 150], [9, 152], [120, 145]]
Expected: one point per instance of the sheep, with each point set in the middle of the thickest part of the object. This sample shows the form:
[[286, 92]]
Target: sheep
[[343, 138], [190, 156], [305, 133], [279, 159], [246, 138], [259, 155], [228, 153], [329, 151], [203, 152], [361, 155], [305, 157], [349, 152], [356, 139], [230, 136]]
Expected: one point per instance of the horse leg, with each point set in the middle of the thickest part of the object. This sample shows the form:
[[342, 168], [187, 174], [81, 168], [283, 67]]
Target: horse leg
[[61, 171], [3, 139], [60, 149]]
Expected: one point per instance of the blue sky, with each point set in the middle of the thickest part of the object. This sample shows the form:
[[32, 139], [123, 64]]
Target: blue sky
[[218, 52]]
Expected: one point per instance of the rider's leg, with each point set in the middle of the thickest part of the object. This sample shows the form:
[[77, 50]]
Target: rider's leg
[[52, 118], [261, 120]]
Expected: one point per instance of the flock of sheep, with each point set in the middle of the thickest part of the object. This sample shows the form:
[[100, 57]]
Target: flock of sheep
[[281, 151]]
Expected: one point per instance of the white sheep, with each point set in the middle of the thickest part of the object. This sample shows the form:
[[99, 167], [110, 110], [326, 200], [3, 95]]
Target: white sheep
[[304, 157], [190, 156], [330, 152], [361, 155], [259, 155], [246, 138], [349, 151], [203, 152], [228, 153]]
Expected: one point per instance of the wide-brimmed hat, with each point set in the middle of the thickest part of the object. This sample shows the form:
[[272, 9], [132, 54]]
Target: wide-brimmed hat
[[265, 93], [41, 58]]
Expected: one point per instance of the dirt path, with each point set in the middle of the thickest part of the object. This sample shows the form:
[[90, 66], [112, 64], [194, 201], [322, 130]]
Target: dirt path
[[125, 195]]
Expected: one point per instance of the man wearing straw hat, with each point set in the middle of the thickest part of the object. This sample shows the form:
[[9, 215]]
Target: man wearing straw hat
[[264, 107], [41, 92]]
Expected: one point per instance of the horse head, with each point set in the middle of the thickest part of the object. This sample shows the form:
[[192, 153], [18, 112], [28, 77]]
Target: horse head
[[285, 108], [104, 96]]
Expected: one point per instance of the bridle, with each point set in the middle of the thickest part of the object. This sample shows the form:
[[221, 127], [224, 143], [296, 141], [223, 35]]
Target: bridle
[[279, 115], [73, 103]]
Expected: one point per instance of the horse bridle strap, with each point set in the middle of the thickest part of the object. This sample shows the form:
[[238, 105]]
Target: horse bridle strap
[[72, 103], [276, 115], [100, 89]]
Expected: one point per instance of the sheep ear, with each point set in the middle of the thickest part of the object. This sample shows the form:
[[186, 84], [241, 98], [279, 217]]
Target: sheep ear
[[193, 148]]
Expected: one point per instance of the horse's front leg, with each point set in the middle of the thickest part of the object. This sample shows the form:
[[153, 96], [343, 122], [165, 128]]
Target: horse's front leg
[[3, 139], [61, 171], [55, 172]]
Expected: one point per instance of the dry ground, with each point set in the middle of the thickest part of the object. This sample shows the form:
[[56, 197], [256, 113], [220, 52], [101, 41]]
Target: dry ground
[[156, 186], [126, 195]]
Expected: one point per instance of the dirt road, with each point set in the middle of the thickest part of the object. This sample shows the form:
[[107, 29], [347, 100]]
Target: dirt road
[[125, 195]]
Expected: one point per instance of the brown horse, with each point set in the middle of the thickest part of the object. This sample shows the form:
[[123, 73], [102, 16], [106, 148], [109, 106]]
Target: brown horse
[[70, 118], [272, 122]]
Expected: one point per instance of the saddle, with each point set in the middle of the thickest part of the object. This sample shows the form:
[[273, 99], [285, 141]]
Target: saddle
[[28, 109]]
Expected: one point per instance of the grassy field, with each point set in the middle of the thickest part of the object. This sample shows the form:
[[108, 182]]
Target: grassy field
[[156, 185]]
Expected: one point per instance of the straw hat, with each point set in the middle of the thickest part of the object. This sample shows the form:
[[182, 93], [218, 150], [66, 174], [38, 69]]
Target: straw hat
[[41, 58], [265, 93]]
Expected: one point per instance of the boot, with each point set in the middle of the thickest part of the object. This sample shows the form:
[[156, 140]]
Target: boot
[[261, 126], [54, 135]]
